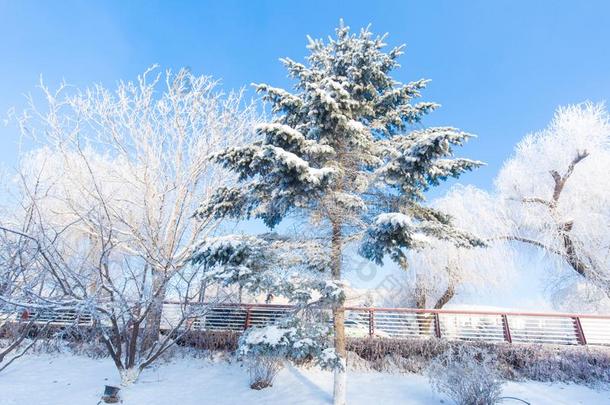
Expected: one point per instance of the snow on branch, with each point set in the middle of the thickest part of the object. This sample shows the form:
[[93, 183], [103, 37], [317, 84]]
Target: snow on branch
[[395, 233], [294, 339], [266, 265]]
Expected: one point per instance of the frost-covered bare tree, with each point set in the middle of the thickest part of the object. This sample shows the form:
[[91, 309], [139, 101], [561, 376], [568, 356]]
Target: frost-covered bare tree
[[113, 182], [552, 195], [78, 279], [439, 270], [20, 278], [556, 191]]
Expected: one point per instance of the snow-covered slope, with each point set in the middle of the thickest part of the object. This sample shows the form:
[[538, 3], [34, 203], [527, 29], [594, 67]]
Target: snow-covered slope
[[65, 379]]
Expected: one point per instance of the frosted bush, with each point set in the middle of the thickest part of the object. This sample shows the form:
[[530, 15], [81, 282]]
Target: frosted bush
[[467, 375], [292, 339], [263, 370]]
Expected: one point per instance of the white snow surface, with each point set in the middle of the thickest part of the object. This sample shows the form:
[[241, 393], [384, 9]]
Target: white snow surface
[[62, 379]]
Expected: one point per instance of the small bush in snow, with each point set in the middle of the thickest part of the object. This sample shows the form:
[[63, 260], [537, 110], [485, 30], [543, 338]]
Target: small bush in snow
[[263, 370], [292, 339], [467, 375]]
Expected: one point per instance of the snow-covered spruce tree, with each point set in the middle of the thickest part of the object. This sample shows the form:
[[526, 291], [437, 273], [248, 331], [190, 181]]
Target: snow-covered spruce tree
[[272, 265], [341, 152]]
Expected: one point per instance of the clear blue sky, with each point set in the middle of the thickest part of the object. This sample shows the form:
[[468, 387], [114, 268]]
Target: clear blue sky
[[499, 68]]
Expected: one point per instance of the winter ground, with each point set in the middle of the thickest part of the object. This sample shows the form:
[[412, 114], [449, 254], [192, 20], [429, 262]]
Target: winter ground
[[66, 379]]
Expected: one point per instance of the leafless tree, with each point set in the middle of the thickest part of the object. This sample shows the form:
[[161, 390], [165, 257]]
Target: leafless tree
[[19, 278], [438, 272], [112, 186], [556, 192]]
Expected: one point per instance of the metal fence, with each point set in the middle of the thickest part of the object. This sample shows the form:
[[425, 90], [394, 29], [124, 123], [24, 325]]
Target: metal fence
[[393, 323], [511, 327], [56, 317], [403, 323], [223, 317]]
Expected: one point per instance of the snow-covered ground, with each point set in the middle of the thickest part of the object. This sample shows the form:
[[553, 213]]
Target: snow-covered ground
[[66, 379]]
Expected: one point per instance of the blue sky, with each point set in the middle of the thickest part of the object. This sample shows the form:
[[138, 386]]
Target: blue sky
[[499, 68]]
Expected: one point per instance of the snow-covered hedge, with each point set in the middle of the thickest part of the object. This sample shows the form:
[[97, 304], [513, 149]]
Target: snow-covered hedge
[[580, 365]]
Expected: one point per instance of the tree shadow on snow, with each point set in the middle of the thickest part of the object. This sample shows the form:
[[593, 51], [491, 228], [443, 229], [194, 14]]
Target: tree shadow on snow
[[312, 386]]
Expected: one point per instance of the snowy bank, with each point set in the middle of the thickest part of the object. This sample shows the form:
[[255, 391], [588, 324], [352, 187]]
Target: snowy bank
[[66, 379]]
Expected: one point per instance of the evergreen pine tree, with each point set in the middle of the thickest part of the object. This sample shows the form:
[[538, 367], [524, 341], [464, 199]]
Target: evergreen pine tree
[[345, 150]]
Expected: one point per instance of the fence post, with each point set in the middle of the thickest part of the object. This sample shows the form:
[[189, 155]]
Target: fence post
[[247, 323], [580, 334], [437, 325], [506, 329], [371, 322]]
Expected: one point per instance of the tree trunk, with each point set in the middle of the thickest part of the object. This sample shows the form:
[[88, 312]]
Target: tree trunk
[[445, 298], [420, 293], [153, 317], [450, 290], [571, 255], [129, 376], [340, 377], [424, 321], [202, 290]]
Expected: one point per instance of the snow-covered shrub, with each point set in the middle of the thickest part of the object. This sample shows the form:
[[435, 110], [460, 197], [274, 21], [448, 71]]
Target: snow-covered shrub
[[93, 349], [468, 375], [258, 265], [264, 349], [293, 340], [357, 363], [263, 369]]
